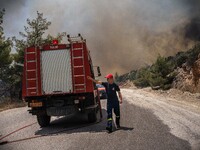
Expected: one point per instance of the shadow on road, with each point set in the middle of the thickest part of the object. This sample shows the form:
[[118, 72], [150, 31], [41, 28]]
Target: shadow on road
[[126, 128], [76, 124], [73, 124]]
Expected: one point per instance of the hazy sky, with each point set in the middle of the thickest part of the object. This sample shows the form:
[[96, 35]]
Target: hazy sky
[[122, 35]]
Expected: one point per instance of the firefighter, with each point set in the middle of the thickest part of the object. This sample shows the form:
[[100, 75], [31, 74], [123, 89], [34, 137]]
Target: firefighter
[[112, 100]]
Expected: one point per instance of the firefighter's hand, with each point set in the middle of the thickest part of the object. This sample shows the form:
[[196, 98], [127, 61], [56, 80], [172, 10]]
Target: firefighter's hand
[[120, 101], [89, 78], [120, 97]]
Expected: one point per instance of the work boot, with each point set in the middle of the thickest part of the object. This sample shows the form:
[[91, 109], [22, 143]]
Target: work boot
[[109, 129], [118, 126], [117, 122]]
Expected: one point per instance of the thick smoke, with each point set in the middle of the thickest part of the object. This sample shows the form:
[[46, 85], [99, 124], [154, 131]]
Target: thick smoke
[[12, 4], [192, 28], [124, 35], [15, 16]]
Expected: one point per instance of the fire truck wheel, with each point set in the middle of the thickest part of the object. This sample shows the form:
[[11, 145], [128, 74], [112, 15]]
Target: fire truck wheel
[[92, 117], [43, 120]]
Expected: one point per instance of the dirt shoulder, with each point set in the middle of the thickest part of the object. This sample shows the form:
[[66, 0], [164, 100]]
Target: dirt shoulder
[[7, 104], [174, 95]]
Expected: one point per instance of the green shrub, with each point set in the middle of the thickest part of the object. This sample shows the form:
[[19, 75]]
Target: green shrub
[[193, 54], [158, 75], [142, 76], [161, 74], [132, 75], [181, 58]]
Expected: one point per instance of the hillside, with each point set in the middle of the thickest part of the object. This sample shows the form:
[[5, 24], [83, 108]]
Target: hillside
[[181, 71]]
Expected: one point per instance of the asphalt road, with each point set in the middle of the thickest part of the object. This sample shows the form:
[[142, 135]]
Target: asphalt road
[[148, 123]]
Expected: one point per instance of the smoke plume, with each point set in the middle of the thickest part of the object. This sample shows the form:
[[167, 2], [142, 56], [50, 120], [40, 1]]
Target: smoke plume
[[123, 35], [192, 28]]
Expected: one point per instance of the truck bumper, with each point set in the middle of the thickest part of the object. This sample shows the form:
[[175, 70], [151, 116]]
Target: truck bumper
[[61, 111]]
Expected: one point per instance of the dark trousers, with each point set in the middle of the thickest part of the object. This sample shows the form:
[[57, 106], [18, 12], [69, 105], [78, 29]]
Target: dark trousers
[[110, 107]]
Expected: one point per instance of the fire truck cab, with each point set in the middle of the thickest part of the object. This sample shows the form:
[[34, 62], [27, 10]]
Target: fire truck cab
[[55, 80]]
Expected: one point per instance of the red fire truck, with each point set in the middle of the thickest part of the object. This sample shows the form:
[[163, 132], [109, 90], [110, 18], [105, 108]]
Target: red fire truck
[[55, 80]]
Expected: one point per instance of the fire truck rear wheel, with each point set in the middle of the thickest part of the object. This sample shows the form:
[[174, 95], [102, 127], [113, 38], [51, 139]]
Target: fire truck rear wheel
[[92, 116], [43, 120]]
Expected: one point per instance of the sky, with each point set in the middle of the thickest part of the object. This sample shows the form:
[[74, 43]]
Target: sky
[[121, 35]]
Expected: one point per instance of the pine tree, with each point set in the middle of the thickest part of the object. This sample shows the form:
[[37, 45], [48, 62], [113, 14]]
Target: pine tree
[[5, 49], [33, 35], [5, 60], [35, 30], [116, 77]]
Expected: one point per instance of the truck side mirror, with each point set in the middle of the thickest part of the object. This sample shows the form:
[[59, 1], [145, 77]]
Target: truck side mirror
[[98, 71]]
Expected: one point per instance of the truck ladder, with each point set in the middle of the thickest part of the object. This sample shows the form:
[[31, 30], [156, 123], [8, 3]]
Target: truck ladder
[[31, 72], [78, 70]]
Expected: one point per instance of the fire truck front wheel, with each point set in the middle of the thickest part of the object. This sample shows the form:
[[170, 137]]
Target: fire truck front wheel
[[43, 120], [92, 116]]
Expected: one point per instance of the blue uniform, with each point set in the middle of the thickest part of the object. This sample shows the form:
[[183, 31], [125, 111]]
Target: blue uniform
[[112, 102]]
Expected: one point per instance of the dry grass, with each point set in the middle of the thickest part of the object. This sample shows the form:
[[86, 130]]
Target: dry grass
[[8, 104]]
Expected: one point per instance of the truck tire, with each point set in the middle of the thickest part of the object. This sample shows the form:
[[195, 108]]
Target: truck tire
[[92, 117], [43, 120]]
